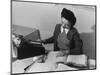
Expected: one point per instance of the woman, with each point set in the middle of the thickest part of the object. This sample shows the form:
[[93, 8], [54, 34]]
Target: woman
[[66, 37]]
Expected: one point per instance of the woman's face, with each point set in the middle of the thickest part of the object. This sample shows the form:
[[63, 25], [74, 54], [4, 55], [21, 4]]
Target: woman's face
[[65, 23]]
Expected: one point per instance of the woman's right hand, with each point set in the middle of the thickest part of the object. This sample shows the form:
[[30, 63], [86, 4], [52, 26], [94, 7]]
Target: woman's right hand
[[43, 41]]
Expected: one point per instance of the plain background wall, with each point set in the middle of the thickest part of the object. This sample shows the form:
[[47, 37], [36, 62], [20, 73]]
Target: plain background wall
[[45, 16]]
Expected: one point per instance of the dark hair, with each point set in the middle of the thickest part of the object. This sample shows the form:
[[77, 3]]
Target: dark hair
[[69, 15]]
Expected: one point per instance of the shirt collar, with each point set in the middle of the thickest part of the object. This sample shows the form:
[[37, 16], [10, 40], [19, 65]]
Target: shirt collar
[[66, 30]]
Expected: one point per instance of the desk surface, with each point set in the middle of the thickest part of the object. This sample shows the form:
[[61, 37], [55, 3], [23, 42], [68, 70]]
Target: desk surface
[[49, 65]]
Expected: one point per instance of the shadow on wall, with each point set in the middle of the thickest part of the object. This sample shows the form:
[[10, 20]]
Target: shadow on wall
[[89, 43]]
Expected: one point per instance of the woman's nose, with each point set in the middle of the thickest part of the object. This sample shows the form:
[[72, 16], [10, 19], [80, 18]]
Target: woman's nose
[[65, 26]]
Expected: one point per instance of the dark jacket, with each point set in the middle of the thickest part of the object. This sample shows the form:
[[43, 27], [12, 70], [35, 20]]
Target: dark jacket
[[73, 35]]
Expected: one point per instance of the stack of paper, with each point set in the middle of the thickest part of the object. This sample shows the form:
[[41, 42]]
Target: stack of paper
[[77, 60]]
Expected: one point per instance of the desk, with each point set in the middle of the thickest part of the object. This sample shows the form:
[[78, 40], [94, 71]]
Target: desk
[[49, 65]]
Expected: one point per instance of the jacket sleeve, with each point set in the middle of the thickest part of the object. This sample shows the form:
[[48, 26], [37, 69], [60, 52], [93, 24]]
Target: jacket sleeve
[[77, 44], [52, 38]]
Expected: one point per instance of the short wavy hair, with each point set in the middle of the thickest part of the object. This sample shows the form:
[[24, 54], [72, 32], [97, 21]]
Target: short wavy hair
[[69, 15]]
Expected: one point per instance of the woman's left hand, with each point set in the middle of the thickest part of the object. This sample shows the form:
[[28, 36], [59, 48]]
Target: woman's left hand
[[62, 53]]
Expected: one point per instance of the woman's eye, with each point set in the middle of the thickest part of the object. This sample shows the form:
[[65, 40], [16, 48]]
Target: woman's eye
[[18, 39]]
